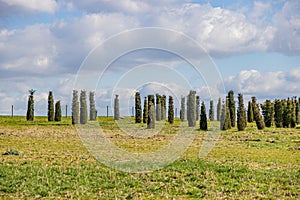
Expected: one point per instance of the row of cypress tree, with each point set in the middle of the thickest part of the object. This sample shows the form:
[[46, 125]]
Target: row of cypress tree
[[79, 107], [53, 115], [154, 109]]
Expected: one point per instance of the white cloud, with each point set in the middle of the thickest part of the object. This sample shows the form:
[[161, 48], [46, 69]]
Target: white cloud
[[48, 6], [287, 25], [277, 84]]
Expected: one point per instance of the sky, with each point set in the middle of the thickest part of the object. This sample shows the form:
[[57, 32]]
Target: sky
[[250, 47]]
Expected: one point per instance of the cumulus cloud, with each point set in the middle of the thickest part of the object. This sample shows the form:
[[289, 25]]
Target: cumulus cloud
[[287, 25], [10, 7], [264, 85]]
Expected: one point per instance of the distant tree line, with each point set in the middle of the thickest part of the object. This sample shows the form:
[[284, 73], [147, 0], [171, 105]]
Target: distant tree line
[[282, 113]]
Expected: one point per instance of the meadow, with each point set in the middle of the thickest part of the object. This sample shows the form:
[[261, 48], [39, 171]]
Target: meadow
[[54, 164]]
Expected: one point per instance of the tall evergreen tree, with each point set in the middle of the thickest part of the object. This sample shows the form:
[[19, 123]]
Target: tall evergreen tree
[[145, 111], [191, 109], [151, 114], [203, 117], [93, 111], [298, 111], [75, 108], [138, 108], [241, 114], [57, 112], [50, 107], [278, 113], [171, 110], [116, 108], [182, 109], [219, 109], [222, 117], [197, 108], [257, 115], [158, 107], [211, 111], [225, 122], [83, 107], [287, 113], [293, 115], [163, 107], [231, 105], [268, 112], [250, 116], [30, 106]]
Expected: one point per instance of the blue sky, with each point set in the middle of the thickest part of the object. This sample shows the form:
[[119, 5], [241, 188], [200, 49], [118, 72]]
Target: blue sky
[[254, 44]]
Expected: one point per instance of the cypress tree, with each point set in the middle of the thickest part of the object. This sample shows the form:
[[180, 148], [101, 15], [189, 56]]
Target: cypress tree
[[191, 109], [57, 112], [231, 105], [158, 107], [278, 113], [222, 116], [138, 108], [50, 107], [93, 111], [116, 108], [182, 109], [241, 114], [225, 122], [197, 108], [287, 113], [250, 116], [151, 114], [211, 111], [163, 107], [219, 109], [293, 115], [30, 106], [75, 108], [298, 111], [145, 111], [268, 112], [83, 107], [257, 115], [171, 110], [203, 118]]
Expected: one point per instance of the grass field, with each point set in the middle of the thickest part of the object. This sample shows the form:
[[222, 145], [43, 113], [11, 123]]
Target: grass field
[[54, 164]]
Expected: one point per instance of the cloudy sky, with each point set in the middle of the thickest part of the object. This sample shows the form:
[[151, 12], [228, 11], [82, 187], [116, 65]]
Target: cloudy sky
[[253, 45]]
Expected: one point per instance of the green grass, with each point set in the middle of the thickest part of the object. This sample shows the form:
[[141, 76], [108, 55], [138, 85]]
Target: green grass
[[54, 164]]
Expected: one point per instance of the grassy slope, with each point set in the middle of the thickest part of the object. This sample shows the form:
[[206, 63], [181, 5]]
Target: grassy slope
[[55, 164]]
